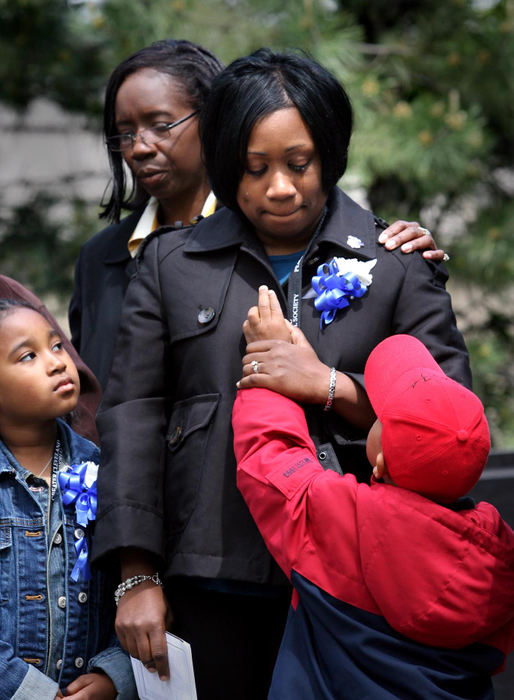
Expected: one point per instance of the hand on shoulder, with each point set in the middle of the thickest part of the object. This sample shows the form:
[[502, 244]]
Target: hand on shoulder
[[411, 236]]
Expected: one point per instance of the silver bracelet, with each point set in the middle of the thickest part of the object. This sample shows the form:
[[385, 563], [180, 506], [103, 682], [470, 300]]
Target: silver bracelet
[[134, 581], [331, 390]]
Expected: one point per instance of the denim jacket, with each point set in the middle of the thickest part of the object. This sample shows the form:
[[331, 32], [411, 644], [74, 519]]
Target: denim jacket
[[26, 592]]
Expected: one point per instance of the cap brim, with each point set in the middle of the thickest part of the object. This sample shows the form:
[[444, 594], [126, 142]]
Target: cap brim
[[389, 361]]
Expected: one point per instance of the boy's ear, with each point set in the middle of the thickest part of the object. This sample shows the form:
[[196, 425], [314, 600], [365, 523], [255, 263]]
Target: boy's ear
[[380, 468]]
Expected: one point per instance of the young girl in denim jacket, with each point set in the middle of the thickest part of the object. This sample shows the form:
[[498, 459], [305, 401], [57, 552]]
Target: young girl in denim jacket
[[56, 634]]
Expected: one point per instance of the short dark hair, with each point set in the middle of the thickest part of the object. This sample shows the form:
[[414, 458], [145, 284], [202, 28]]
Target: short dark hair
[[253, 87], [192, 65], [8, 306]]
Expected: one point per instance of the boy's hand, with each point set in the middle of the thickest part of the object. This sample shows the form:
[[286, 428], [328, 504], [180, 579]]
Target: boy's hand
[[266, 321], [91, 686]]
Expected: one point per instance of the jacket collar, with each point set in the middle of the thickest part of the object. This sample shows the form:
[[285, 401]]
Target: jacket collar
[[346, 222], [75, 448], [222, 229], [344, 218], [118, 246], [6, 460]]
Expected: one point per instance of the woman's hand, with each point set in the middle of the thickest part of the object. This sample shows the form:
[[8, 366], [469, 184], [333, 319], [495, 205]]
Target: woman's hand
[[272, 360], [141, 622], [143, 614], [292, 369], [269, 338], [91, 686], [411, 236]]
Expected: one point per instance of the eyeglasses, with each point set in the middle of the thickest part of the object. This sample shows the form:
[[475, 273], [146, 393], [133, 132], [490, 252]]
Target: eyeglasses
[[154, 134]]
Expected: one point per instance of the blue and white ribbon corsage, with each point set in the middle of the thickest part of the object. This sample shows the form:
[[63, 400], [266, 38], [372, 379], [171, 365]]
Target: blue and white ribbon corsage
[[337, 282], [78, 486]]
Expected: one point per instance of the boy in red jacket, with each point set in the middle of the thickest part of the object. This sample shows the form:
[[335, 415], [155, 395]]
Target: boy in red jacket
[[402, 589]]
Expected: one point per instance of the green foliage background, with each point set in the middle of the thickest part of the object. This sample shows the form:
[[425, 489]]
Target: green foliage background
[[432, 87]]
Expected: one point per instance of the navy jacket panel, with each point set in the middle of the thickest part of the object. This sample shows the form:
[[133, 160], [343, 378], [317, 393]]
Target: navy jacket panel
[[168, 477], [332, 651]]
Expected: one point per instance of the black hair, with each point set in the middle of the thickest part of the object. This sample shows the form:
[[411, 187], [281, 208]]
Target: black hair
[[8, 306], [253, 87], [192, 65]]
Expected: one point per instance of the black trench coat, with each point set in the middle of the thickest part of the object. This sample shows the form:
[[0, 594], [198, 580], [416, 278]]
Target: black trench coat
[[168, 478], [102, 273]]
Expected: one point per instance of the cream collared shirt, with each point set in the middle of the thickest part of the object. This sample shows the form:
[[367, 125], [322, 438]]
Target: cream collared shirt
[[148, 221]]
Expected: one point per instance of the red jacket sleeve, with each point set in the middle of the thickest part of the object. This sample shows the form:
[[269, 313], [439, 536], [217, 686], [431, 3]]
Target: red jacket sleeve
[[276, 461], [306, 515]]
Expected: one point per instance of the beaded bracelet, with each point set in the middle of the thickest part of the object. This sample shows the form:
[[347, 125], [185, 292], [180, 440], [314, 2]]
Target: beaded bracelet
[[134, 581], [331, 390]]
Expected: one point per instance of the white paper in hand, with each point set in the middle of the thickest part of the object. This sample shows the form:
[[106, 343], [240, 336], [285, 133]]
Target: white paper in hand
[[181, 685]]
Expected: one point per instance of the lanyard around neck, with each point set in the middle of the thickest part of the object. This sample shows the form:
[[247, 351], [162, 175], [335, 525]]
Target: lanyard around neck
[[294, 284]]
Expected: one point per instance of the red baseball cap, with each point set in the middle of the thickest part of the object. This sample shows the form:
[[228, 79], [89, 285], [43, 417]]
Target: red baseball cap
[[435, 436]]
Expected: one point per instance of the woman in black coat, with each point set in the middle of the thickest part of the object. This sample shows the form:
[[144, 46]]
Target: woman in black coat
[[275, 136], [152, 102], [152, 105]]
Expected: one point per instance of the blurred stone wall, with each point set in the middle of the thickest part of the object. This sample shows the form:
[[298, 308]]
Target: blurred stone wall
[[46, 148]]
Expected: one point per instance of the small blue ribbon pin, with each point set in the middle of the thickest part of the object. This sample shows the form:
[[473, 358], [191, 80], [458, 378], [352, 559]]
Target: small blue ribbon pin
[[81, 567], [334, 291], [74, 490]]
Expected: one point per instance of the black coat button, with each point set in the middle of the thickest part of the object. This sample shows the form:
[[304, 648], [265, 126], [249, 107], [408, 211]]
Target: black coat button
[[206, 315]]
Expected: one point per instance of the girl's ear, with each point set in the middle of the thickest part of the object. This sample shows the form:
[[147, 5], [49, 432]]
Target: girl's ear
[[379, 469]]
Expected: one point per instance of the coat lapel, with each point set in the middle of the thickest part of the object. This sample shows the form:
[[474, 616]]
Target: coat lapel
[[117, 251], [347, 219]]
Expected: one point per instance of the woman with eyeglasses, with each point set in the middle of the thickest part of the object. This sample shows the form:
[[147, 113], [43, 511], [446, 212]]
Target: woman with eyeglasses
[[275, 135], [152, 105]]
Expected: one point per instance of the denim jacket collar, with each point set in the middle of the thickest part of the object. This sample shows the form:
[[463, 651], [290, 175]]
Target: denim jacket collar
[[75, 449]]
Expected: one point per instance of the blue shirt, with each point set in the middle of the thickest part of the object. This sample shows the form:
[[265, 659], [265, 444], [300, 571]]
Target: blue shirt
[[283, 264]]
